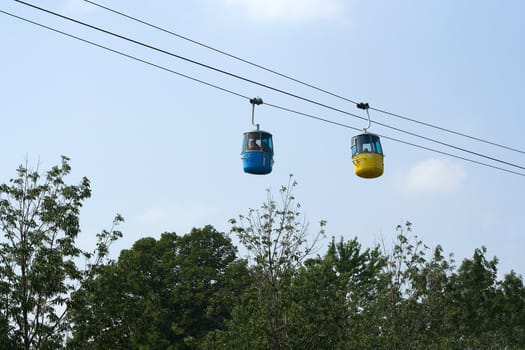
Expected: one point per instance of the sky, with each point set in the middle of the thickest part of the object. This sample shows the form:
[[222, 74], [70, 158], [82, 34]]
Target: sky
[[164, 150]]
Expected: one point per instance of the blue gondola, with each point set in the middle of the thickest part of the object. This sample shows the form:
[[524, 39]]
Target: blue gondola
[[257, 152], [257, 148]]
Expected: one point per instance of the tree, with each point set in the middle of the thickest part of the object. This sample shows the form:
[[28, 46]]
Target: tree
[[489, 313], [276, 236], [329, 297], [359, 281], [39, 218], [427, 304], [510, 304], [412, 308], [211, 281], [400, 325], [168, 293]]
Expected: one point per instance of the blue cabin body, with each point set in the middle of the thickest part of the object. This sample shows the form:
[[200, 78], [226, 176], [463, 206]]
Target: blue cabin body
[[257, 152]]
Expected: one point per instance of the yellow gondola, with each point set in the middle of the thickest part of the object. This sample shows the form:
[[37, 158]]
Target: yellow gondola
[[367, 153]]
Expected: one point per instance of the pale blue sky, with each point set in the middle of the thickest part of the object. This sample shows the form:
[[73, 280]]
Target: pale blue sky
[[164, 151]]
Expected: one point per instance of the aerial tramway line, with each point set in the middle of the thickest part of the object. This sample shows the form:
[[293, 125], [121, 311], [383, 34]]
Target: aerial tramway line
[[366, 149], [257, 149]]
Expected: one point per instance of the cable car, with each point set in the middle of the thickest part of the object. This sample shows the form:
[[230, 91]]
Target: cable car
[[257, 148], [367, 153], [257, 152]]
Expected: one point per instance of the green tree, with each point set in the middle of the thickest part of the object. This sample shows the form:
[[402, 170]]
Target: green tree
[[359, 280], [488, 313], [428, 304], [431, 298], [510, 304], [211, 281], [161, 294], [39, 218], [329, 298], [276, 236], [398, 304], [412, 306]]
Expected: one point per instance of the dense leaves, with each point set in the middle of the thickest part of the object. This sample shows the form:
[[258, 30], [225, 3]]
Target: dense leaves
[[276, 236], [193, 292], [161, 294], [39, 218]]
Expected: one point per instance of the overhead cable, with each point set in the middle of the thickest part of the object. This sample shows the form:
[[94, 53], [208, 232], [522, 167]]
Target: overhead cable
[[149, 24], [248, 98], [396, 140], [124, 54], [222, 71]]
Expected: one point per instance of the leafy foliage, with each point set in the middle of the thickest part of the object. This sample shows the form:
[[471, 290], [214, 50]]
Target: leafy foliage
[[398, 298], [39, 218], [276, 237], [192, 292], [161, 294]]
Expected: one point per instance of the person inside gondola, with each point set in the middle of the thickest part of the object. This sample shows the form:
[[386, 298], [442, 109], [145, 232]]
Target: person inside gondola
[[252, 145]]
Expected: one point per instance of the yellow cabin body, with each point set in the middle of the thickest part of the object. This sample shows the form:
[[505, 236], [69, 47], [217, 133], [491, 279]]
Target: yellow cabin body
[[368, 165]]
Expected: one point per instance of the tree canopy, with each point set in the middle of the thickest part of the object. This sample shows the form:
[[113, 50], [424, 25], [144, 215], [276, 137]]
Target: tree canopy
[[39, 270], [193, 291]]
